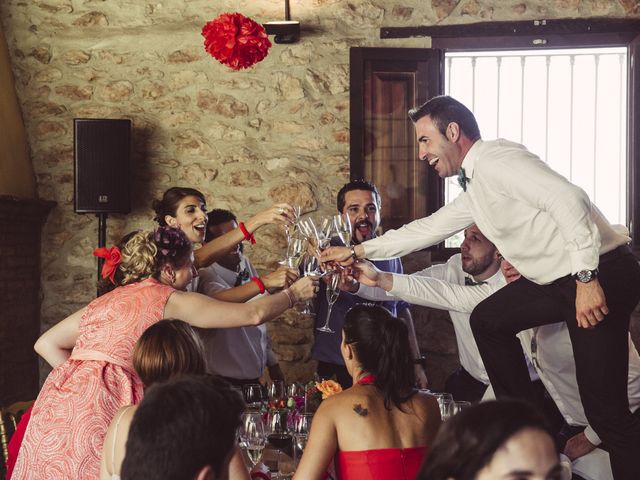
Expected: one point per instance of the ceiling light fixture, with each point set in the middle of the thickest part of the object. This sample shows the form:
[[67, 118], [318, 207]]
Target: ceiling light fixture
[[287, 31]]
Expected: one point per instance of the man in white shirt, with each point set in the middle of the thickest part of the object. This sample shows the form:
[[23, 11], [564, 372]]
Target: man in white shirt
[[441, 286], [576, 269], [478, 263], [238, 354]]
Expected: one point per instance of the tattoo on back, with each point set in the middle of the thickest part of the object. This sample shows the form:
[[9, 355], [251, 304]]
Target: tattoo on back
[[363, 412]]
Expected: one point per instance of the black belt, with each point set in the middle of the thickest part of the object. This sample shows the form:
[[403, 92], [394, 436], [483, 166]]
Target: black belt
[[615, 253]]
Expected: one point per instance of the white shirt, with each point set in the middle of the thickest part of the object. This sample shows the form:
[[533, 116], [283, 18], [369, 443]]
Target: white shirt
[[558, 373], [444, 289], [442, 286], [546, 226], [239, 353]]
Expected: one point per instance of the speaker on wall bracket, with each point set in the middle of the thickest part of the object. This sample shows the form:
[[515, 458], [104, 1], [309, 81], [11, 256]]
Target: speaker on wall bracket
[[102, 169]]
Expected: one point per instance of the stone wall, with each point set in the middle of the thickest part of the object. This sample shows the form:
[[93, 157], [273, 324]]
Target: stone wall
[[278, 131]]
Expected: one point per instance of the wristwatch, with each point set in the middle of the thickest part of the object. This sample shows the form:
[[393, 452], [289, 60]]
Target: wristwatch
[[585, 276], [422, 361], [353, 253]]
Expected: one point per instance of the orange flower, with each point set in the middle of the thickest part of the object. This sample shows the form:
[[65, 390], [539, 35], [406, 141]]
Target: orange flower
[[328, 388]]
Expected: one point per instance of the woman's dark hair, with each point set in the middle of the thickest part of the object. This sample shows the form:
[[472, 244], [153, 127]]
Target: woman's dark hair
[[173, 246], [445, 109], [357, 185], [182, 426], [166, 349], [216, 217], [381, 345], [467, 442], [168, 205]]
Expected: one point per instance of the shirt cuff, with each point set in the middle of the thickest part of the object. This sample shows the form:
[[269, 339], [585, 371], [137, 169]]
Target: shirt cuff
[[592, 436], [400, 285]]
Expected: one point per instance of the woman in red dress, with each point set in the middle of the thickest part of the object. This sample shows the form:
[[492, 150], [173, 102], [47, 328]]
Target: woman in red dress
[[382, 426]]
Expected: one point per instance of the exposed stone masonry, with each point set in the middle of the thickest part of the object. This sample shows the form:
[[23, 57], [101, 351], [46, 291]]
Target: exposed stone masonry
[[277, 131]]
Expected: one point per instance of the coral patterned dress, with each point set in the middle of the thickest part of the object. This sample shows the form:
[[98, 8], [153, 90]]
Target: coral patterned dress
[[80, 397]]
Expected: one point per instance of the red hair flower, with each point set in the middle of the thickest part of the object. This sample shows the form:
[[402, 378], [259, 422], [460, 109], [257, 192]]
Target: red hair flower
[[112, 259], [235, 40]]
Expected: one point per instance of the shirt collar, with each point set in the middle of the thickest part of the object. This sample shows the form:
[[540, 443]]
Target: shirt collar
[[469, 161]]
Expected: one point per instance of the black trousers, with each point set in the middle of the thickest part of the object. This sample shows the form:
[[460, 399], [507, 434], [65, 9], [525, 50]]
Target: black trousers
[[464, 387], [601, 353]]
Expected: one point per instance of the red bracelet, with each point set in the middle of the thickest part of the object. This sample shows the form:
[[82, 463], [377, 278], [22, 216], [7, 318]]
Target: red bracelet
[[259, 283], [247, 236]]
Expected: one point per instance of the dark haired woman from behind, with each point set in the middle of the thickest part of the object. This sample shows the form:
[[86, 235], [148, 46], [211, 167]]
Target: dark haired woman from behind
[[91, 351], [382, 427], [185, 208], [497, 439]]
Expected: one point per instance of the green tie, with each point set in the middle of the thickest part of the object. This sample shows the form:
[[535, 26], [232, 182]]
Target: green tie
[[462, 179]]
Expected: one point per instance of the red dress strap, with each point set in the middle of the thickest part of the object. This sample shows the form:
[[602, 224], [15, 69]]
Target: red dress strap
[[367, 380]]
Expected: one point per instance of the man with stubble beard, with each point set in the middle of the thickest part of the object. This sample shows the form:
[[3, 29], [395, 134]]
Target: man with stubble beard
[[360, 201]]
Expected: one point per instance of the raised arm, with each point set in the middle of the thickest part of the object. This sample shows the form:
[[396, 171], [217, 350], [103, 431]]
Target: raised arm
[[274, 281], [421, 290], [204, 312], [419, 234], [218, 247], [55, 344]]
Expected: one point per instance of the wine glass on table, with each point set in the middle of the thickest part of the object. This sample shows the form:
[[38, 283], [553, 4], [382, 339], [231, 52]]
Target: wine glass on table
[[280, 438], [332, 291], [253, 396], [301, 433], [277, 394], [253, 435]]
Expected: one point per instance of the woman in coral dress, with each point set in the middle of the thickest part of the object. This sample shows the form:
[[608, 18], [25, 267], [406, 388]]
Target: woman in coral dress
[[91, 352], [382, 426]]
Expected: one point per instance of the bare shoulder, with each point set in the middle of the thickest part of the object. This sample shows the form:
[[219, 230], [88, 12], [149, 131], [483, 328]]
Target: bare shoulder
[[425, 402]]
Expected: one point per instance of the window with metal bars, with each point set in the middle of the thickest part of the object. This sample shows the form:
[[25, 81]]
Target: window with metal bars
[[568, 89], [568, 106]]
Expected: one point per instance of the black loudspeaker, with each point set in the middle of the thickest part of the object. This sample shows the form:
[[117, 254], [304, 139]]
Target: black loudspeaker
[[101, 151]]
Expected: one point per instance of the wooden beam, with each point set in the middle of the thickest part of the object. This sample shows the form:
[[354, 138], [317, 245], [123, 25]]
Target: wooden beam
[[530, 27]]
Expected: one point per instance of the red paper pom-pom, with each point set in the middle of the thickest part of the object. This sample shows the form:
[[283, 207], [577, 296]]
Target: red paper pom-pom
[[235, 40]]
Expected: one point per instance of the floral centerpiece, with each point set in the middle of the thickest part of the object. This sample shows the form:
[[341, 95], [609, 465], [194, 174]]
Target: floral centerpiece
[[308, 402]]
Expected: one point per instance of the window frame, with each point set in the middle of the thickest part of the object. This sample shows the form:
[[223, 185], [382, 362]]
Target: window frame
[[552, 34]]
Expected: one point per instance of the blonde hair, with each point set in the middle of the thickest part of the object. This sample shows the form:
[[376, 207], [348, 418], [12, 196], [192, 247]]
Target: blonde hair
[[138, 258]]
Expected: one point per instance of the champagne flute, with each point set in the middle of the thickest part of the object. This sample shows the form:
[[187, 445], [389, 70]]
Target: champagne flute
[[310, 266], [252, 435], [332, 292], [301, 432], [342, 225], [294, 253], [289, 230]]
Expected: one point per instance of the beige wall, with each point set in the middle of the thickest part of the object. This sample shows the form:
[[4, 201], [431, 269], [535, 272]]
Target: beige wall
[[16, 171], [277, 131]]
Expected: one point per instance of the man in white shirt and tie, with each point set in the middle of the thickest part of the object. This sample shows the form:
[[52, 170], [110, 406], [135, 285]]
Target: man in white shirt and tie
[[576, 269]]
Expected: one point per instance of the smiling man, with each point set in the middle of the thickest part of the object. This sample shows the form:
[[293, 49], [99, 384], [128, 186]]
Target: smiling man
[[360, 201], [576, 269]]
